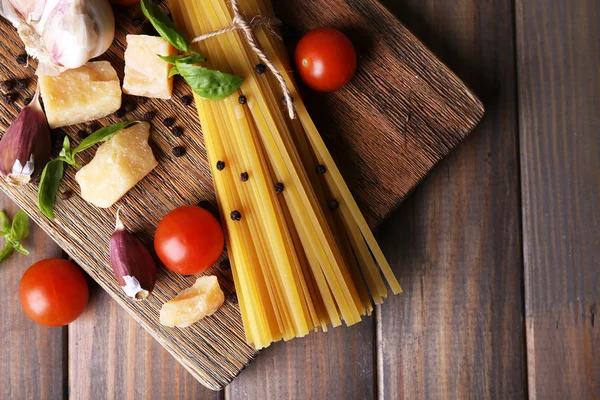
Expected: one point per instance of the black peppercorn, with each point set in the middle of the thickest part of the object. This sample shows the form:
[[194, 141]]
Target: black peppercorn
[[333, 204], [177, 131], [120, 113], [129, 106], [28, 100], [260, 69], [82, 133], [220, 165], [321, 169], [66, 195], [279, 187], [242, 99], [233, 298], [7, 85], [57, 137], [225, 264], [148, 115], [235, 215], [168, 121], [21, 59], [21, 84], [91, 128], [137, 21], [148, 29], [186, 100], [9, 98], [178, 151], [244, 176]]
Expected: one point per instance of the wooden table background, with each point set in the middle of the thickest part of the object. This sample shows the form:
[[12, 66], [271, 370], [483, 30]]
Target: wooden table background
[[498, 250]]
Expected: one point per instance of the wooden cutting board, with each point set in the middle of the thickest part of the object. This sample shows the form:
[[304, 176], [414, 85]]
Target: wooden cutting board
[[401, 114]]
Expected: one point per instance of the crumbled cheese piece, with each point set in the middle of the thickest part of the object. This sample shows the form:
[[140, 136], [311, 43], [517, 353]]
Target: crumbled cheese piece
[[118, 165], [145, 73], [82, 94], [193, 304]]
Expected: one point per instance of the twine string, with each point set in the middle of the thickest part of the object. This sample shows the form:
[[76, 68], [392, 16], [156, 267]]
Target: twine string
[[240, 23]]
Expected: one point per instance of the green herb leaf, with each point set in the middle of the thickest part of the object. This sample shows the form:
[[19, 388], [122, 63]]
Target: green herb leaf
[[6, 251], [208, 83], [102, 135], [173, 71], [193, 58], [48, 187], [19, 247], [164, 26], [20, 226], [4, 225]]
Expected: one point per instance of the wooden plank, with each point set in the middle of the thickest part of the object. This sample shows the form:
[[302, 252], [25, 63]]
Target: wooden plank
[[338, 364], [457, 331], [112, 357], [558, 57], [31, 364], [401, 87]]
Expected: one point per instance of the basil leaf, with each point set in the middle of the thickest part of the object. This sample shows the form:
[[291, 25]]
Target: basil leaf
[[20, 226], [102, 135], [19, 247], [164, 26], [6, 251], [4, 225], [193, 58], [173, 71], [208, 83], [51, 176]]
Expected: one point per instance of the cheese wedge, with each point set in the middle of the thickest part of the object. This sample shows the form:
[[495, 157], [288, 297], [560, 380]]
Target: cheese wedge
[[145, 73], [118, 165], [82, 94], [192, 304]]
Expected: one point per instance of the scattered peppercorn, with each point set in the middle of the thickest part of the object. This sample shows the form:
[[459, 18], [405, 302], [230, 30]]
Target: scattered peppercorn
[[22, 83], [244, 176], [260, 69], [27, 100], [242, 99], [321, 169], [21, 59], [91, 128], [7, 85], [82, 133], [233, 298], [168, 121], [148, 29], [225, 264], [148, 115], [279, 187], [178, 151], [333, 204], [137, 21], [66, 195], [186, 100], [120, 113], [9, 98], [235, 215], [129, 106], [177, 131], [220, 165], [141, 100], [57, 137]]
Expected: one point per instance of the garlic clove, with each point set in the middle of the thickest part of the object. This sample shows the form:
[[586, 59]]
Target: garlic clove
[[25, 146], [132, 263]]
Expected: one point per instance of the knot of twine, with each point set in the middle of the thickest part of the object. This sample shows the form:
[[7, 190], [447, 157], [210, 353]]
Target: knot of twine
[[239, 22]]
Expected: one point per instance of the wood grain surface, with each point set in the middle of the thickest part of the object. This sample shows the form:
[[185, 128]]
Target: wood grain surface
[[414, 111], [559, 101], [458, 330]]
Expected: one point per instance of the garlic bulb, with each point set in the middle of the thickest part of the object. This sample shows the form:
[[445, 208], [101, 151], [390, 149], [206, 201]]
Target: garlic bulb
[[25, 146], [61, 34]]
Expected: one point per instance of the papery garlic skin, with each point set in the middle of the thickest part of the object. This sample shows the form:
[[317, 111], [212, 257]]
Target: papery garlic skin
[[25, 146]]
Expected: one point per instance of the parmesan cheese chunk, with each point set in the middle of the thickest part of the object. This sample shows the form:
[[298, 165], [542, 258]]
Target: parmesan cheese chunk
[[118, 165], [193, 304], [145, 73], [82, 94]]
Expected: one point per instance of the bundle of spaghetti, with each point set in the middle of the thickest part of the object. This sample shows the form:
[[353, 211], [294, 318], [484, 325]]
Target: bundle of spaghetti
[[297, 265]]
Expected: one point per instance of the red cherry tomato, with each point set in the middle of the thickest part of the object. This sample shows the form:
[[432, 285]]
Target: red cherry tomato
[[325, 59], [53, 292], [189, 240]]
